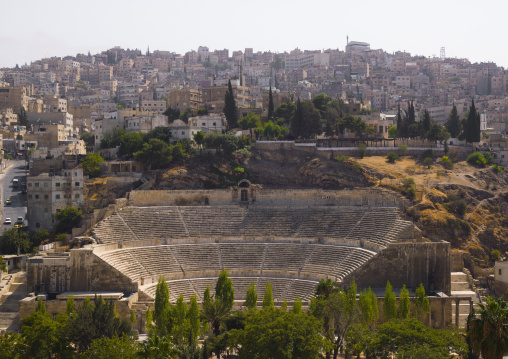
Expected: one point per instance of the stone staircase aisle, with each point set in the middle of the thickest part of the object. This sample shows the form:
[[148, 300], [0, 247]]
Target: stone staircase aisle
[[9, 303], [461, 288]]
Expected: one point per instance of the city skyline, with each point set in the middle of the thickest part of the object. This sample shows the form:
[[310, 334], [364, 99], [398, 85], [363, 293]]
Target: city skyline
[[53, 29]]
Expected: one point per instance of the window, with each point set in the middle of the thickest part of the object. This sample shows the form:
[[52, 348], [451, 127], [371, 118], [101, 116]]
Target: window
[[36, 196], [29, 196], [499, 271], [29, 185], [45, 196], [76, 196], [76, 184], [36, 184], [57, 196], [57, 184], [45, 184]]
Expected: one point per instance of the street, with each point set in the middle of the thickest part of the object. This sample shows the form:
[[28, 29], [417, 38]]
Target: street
[[17, 208]]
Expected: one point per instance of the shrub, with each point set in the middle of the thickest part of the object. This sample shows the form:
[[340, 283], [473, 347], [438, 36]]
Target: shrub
[[456, 204], [428, 161], [447, 163], [357, 166], [407, 182], [342, 159], [410, 193], [497, 169], [392, 157], [61, 237], [489, 157], [476, 159], [495, 254], [362, 150], [428, 154], [403, 150]]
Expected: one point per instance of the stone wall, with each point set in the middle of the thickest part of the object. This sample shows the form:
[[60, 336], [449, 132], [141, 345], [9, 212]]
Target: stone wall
[[409, 264], [90, 273], [28, 305], [372, 197]]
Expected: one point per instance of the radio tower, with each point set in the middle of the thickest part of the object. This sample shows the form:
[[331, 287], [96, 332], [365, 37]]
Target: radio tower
[[443, 53]]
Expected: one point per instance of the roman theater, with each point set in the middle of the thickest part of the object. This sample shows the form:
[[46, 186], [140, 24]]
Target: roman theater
[[290, 238]]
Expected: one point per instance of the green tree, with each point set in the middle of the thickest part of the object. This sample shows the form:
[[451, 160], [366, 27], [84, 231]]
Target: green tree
[[488, 329], [149, 326], [10, 344], [404, 303], [352, 124], [453, 124], [155, 153], [22, 117], [306, 121], [271, 109], [3, 266], [173, 114], [112, 348], [472, 131], [130, 143], [251, 300], [268, 297], [224, 289], [92, 165], [42, 337], [68, 218], [278, 334], [70, 309], [421, 302], [389, 303], [367, 303], [286, 111], [297, 305], [160, 132], [207, 298], [251, 120], [215, 312], [181, 323], [14, 239], [392, 132], [89, 140], [157, 347], [162, 312], [425, 122], [230, 107], [199, 138], [194, 322], [184, 116]]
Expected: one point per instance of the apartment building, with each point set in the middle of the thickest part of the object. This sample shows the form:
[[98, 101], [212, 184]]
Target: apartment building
[[13, 97], [183, 98], [209, 123], [153, 106], [214, 96], [48, 193]]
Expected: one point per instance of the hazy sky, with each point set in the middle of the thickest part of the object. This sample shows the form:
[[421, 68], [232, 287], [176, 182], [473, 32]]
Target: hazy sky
[[33, 29]]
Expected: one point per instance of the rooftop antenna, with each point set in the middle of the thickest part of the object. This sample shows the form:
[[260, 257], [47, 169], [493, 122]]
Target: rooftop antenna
[[443, 53], [347, 40]]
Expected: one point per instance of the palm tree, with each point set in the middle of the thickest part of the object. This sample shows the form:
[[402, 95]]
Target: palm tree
[[215, 313], [157, 348], [488, 329]]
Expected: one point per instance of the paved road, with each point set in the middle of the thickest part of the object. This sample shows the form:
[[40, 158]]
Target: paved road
[[17, 208]]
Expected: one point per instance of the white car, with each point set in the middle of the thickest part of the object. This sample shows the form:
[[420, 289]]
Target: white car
[[8, 221]]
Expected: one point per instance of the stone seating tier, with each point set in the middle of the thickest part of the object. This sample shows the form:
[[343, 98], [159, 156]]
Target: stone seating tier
[[377, 225], [313, 261], [282, 288]]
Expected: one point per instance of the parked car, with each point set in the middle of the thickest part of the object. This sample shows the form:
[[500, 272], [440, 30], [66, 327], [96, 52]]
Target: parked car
[[20, 220], [8, 221], [8, 201]]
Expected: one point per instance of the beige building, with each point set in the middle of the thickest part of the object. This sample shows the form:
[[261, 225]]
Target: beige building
[[214, 96], [8, 117], [183, 98], [153, 106], [209, 123], [55, 104], [47, 194], [13, 97]]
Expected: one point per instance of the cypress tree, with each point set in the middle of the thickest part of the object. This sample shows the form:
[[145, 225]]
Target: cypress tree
[[389, 303], [224, 289], [268, 297], [425, 122], [453, 124], [400, 125], [404, 303], [230, 107], [298, 120], [271, 109], [472, 128], [251, 300]]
